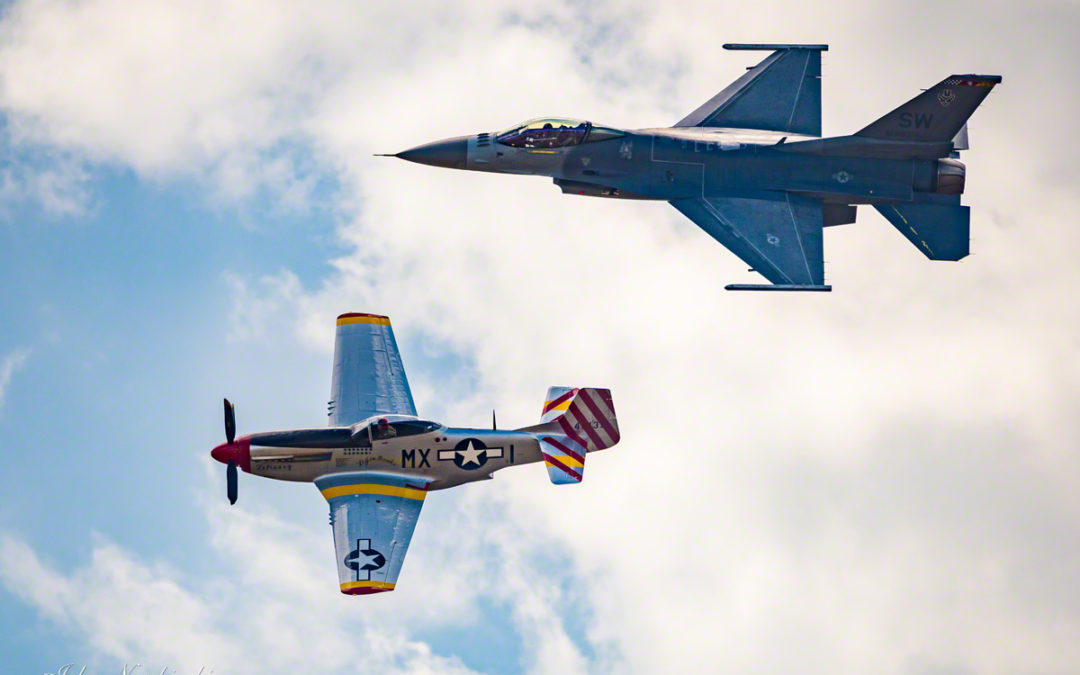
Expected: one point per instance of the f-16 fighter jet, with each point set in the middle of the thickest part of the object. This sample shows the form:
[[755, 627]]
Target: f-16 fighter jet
[[377, 460], [747, 167]]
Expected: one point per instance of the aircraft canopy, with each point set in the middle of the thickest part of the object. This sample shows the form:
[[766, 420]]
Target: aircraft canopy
[[396, 425], [554, 132]]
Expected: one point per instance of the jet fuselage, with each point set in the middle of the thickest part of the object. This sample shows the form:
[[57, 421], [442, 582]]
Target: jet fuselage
[[681, 163]]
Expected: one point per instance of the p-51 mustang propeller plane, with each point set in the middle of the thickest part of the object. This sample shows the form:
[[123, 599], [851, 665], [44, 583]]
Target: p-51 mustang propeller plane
[[377, 460], [748, 167]]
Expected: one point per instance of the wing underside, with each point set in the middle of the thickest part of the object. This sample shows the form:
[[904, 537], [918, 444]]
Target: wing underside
[[373, 515], [369, 378], [779, 238], [782, 93]]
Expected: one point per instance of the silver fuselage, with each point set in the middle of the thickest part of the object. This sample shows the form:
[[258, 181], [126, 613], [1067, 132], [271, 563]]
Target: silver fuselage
[[446, 456]]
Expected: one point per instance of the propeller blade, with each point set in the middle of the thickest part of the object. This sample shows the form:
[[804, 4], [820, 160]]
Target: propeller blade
[[230, 422], [230, 481], [493, 420]]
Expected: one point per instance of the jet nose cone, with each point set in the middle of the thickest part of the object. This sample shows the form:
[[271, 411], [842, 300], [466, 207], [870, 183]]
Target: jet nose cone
[[449, 153]]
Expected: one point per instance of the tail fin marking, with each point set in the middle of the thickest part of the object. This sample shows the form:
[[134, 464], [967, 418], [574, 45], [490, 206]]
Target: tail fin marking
[[572, 434], [936, 115], [597, 423]]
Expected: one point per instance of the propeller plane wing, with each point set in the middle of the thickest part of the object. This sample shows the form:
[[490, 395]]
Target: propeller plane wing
[[373, 515]]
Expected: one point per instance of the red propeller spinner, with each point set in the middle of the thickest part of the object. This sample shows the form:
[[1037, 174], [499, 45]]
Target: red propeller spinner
[[238, 452]]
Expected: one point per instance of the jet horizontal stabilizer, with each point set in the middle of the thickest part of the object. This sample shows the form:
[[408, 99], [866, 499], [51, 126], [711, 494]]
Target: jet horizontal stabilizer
[[940, 231]]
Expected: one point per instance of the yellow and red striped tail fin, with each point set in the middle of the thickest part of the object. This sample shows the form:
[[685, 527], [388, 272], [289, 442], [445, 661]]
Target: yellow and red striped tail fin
[[578, 421]]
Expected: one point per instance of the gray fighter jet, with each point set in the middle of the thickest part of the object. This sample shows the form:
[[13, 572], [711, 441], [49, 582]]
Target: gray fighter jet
[[749, 168]]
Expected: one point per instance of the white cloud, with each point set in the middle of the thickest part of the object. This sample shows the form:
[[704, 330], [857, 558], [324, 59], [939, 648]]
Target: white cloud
[[880, 479], [275, 606], [254, 311], [11, 363], [734, 517], [55, 181], [125, 608]]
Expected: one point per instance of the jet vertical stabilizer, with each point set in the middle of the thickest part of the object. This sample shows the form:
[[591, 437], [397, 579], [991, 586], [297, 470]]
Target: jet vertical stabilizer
[[935, 116]]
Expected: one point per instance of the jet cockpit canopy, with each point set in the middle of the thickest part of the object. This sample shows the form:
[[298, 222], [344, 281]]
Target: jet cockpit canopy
[[554, 132]]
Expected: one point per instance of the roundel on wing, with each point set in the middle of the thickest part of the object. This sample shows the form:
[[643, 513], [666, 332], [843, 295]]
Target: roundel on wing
[[373, 560]]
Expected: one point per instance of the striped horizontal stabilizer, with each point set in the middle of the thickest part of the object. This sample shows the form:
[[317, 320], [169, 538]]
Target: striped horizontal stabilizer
[[564, 458]]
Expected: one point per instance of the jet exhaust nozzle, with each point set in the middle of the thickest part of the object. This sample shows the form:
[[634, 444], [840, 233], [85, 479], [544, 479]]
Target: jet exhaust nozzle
[[950, 177]]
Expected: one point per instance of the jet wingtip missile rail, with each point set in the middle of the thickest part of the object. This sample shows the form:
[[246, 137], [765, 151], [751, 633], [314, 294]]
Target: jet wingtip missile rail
[[777, 287], [739, 46]]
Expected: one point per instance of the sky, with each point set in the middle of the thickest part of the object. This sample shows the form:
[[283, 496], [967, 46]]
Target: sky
[[880, 479]]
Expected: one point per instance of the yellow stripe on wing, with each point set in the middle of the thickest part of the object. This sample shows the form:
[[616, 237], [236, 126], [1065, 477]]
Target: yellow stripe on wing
[[367, 584], [386, 490], [369, 319]]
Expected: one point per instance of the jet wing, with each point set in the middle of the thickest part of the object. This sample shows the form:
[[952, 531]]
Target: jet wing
[[368, 376], [782, 93], [373, 515], [780, 239]]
